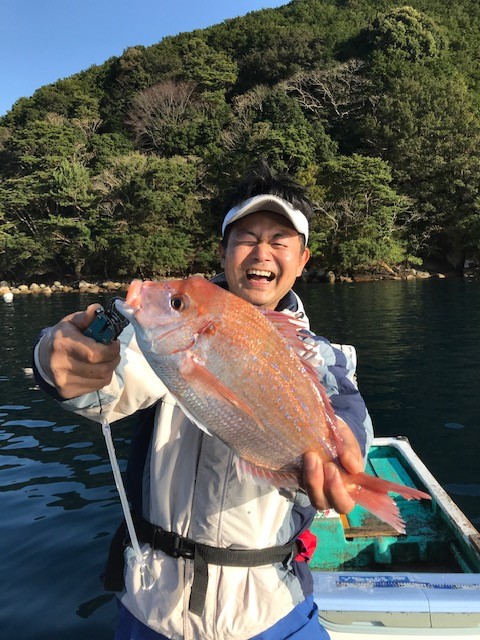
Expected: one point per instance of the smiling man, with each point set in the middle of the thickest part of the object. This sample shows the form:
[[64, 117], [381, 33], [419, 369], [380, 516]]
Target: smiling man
[[265, 252], [182, 483]]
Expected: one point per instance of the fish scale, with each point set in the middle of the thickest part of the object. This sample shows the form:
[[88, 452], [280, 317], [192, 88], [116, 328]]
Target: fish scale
[[258, 390], [243, 352]]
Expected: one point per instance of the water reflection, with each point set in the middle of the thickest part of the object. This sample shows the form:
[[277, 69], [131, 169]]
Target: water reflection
[[57, 498]]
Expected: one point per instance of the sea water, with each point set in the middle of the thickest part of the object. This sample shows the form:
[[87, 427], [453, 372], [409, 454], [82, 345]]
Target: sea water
[[418, 353]]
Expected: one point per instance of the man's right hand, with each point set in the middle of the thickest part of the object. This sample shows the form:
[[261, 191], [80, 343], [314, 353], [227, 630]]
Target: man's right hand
[[74, 363]]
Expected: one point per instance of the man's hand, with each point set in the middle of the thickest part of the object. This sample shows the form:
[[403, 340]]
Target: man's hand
[[322, 481], [74, 363]]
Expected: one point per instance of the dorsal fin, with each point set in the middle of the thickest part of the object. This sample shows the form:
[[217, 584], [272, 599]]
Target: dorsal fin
[[291, 328]]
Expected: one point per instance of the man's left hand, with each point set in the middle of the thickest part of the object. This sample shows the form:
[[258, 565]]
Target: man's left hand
[[322, 480]]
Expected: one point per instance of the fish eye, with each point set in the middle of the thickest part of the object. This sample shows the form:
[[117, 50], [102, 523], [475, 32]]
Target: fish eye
[[177, 303]]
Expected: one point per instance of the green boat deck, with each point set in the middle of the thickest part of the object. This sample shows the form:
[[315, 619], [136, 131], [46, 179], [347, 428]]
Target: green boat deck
[[362, 542]]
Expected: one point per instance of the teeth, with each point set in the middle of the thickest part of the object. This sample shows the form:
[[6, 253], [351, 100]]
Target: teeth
[[257, 272]]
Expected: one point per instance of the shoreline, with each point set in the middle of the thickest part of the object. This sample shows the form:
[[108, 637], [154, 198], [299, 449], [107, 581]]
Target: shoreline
[[318, 276], [58, 287]]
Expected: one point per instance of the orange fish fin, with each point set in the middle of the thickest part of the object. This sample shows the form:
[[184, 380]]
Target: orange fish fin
[[266, 477], [195, 373], [290, 326], [372, 494]]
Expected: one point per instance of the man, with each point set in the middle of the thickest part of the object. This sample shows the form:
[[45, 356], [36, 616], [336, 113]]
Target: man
[[182, 483]]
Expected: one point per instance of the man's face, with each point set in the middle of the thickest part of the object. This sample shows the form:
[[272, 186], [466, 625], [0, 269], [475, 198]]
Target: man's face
[[263, 258]]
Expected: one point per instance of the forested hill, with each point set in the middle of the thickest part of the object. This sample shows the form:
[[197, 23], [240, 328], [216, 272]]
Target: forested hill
[[117, 170]]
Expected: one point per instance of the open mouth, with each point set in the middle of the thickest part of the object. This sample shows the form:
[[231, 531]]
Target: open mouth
[[260, 275]]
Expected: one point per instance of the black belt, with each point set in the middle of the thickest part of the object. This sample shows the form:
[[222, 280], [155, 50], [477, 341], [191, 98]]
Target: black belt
[[178, 546]]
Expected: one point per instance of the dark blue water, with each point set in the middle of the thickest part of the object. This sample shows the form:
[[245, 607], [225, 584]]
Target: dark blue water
[[419, 364], [418, 347]]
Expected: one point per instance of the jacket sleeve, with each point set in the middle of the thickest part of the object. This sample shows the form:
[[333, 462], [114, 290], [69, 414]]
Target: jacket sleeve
[[336, 370], [134, 385]]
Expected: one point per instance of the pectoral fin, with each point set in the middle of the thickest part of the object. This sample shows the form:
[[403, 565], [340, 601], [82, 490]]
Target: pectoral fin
[[196, 374]]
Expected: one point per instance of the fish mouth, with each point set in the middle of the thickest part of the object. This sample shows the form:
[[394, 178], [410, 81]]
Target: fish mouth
[[132, 303], [260, 275], [124, 308], [133, 294]]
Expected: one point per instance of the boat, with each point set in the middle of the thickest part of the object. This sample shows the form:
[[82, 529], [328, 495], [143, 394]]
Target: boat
[[372, 582]]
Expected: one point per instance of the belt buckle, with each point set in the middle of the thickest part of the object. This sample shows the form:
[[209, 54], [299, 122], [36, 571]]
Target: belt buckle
[[180, 551]]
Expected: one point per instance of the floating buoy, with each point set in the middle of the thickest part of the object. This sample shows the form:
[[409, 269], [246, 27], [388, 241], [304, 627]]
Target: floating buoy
[[8, 297]]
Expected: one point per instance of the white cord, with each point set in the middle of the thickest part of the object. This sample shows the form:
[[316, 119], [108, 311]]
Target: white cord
[[147, 577]]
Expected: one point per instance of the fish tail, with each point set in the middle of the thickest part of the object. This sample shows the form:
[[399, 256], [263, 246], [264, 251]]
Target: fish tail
[[372, 494]]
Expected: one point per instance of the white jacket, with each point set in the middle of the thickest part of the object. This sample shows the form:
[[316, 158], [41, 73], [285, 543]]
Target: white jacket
[[188, 484]]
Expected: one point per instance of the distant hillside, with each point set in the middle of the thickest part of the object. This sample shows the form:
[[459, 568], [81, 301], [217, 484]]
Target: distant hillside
[[119, 170]]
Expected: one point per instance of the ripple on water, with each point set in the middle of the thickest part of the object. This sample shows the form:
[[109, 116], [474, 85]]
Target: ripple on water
[[21, 472], [28, 423], [78, 445], [65, 429], [21, 442], [13, 407], [454, 425], [87, 457]]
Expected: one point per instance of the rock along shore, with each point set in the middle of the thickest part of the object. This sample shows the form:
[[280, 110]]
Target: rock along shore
[[57, 287], [384, 272]]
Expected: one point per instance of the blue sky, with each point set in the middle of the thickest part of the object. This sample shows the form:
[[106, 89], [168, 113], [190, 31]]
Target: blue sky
[[42, 41]]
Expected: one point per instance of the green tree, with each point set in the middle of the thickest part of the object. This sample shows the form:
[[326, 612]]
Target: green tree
[[48, 195], [429, 132], [126, 76], [22, 249], [407, 33], [172, 118], [150, 214], [75, 97], [71, 216], [270, 123], [208, 69], [361, 213]]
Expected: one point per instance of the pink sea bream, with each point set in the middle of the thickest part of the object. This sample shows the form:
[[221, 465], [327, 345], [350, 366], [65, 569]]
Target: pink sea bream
[[235, 371]]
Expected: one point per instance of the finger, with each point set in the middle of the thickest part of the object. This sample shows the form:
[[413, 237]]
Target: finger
[[83, 319], [313, 480], [67, 340], [352, 461], [350, 456], [335, 492]]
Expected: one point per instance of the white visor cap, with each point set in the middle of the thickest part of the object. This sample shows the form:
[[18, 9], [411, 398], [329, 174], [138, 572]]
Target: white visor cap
[[267, 202]]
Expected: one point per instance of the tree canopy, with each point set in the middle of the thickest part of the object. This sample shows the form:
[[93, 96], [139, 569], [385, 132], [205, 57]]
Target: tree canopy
[[118, 171]]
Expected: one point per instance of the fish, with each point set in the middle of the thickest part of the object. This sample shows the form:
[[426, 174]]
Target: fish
[[236, 372]]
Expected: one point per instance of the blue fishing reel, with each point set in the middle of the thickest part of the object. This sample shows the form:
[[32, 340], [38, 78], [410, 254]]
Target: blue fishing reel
[[108, 323]]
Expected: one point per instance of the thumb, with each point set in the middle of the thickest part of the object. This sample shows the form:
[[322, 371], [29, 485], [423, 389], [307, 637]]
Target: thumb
[[83, 319]]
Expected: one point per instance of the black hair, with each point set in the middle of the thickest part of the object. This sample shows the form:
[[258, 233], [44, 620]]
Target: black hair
[[261, 179]]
